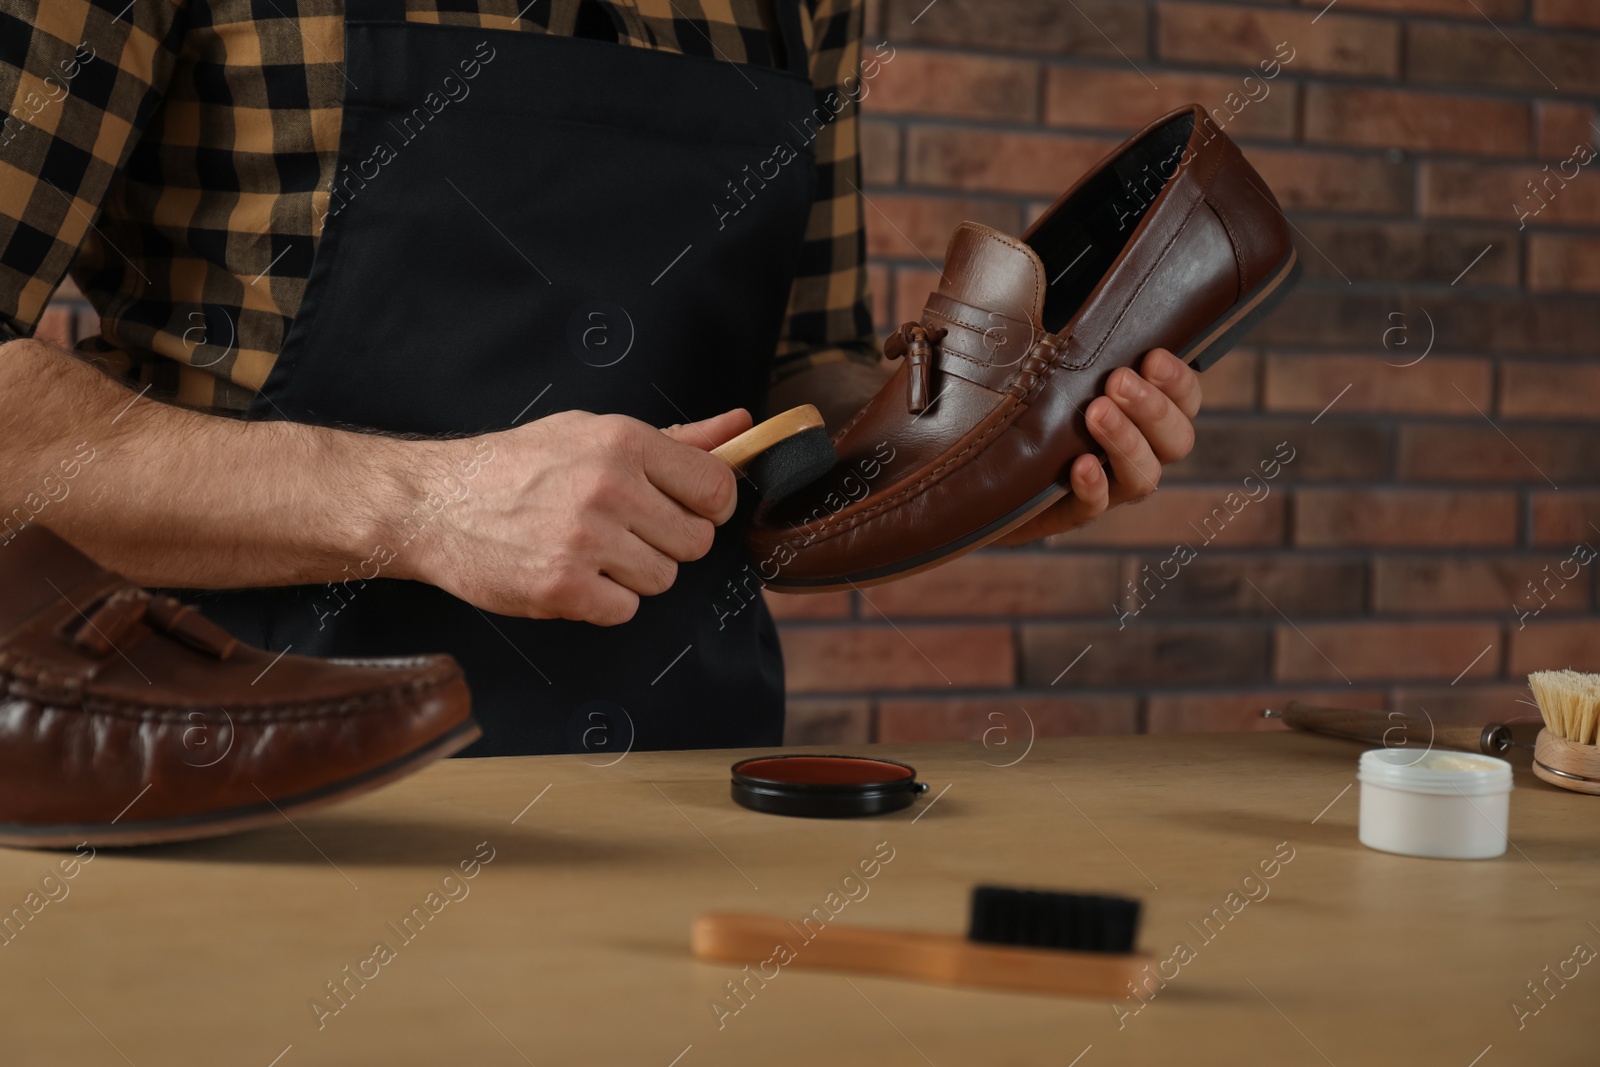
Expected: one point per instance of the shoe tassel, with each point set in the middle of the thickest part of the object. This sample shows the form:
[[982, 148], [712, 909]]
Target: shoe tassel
[[915, 342]]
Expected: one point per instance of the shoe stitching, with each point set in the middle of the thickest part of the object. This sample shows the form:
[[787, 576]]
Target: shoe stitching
[[833, 525], [41, 693], [1205, 181]]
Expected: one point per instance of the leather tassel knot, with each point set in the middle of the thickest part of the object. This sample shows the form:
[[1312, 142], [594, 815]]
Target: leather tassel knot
[[116, 617], [916, 343]]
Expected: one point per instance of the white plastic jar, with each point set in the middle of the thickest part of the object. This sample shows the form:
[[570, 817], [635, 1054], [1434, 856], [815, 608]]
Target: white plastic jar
[[1444, 805]]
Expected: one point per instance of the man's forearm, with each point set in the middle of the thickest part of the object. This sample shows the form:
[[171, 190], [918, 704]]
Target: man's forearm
[[169, 496]]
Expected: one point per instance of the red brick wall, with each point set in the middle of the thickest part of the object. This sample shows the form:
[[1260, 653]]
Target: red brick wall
[[1383, 566]]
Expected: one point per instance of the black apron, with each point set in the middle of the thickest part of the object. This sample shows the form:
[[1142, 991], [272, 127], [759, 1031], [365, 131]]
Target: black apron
[[524, 223]]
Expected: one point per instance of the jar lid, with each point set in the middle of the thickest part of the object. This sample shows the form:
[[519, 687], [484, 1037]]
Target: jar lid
[[1435, 771], [825, 787]]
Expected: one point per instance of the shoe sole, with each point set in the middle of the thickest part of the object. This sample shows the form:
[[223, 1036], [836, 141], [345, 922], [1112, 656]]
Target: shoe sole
[[233, 820], [1200, 354]]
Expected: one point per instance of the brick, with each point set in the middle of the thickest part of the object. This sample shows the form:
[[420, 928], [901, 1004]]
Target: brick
[[956, 85], [879, 286], [834, 659], [996, 161], [911, 288], [807, 606], [1374, 651], [880, 153], [1144, 653], [1230, 584], [1403, 517], [872, 21], [1003, 725], [1578, 13], [1478, 704], [1231, 448], [827, 722], [1218, 35], [1467, 9], [1377, 384], [1562, 519], [1501, 453], [1408, 252], [1387, 118], [1027, 582], [919, 227], [1204, 713], [1184, 513], [1548, 390], [1114, 98], [1546, 646], [1232, 384], [56, 325], [1333, 181], [1441, 585], [1506, 57], [1562, 127], [1549, 194], [1484, 322], [1107, 28], [1563, 263]]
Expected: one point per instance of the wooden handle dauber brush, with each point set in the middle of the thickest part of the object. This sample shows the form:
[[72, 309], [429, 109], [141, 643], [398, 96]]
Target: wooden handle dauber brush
[[1061, 943], [782, 454]]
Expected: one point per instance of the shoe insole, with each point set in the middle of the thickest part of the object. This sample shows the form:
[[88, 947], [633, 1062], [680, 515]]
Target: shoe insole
[[1084, 236]]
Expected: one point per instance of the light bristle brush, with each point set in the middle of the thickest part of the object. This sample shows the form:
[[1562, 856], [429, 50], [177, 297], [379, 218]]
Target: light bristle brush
[[785, 453], [1567, 752], [1063, 943]]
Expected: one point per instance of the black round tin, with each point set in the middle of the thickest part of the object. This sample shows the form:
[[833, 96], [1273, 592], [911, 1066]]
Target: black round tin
[[825, 787]]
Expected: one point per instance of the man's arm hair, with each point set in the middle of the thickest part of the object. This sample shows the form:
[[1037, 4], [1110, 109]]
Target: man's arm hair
[[170, 496]]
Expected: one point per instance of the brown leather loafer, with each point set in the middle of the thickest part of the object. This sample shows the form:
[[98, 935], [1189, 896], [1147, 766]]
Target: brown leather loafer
[[127, 718], [1173, 241]]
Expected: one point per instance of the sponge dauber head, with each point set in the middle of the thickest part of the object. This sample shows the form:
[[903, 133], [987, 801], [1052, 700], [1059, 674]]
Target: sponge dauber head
[[1036, 919], [792, 463]]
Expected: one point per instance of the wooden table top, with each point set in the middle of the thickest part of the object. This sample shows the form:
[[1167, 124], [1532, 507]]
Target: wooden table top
[[570, 944]]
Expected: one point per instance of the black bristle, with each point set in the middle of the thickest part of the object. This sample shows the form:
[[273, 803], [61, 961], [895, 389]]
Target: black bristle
[[1038, 919], [792, 464]]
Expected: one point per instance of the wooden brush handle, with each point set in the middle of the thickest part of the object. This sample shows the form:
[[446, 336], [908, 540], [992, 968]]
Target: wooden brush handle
[[1552, 753], [755, 939], [757, 439], [1382, 728]]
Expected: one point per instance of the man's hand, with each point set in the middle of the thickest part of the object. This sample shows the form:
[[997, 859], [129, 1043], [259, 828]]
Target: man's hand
[[1143, 422], [575, 516]]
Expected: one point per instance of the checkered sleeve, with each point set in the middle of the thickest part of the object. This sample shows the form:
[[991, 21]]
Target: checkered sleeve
[[79, 79], [829, 317]]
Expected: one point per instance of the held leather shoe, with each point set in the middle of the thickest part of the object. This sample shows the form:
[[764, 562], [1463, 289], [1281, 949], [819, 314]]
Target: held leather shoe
[[1173, 241], [127, 718]]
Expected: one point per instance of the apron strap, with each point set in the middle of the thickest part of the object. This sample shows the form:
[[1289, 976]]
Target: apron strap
[[375, 10], [792, 36]]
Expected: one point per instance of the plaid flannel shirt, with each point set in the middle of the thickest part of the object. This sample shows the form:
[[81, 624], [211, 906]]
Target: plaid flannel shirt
[[176, 155]]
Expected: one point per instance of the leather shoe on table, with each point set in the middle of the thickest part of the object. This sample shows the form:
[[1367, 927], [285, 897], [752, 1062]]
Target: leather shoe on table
[[127, 718], [1173, 242]]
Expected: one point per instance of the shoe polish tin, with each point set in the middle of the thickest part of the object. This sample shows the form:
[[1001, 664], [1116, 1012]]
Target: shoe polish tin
[[825, 787], [1442, 805]]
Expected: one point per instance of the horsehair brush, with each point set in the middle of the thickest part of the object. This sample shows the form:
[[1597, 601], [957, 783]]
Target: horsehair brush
[[1067, 944], [1567, 752]]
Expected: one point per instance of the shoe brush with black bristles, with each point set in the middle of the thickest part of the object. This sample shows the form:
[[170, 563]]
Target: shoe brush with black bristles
[[785, 453], [1068, 944]]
